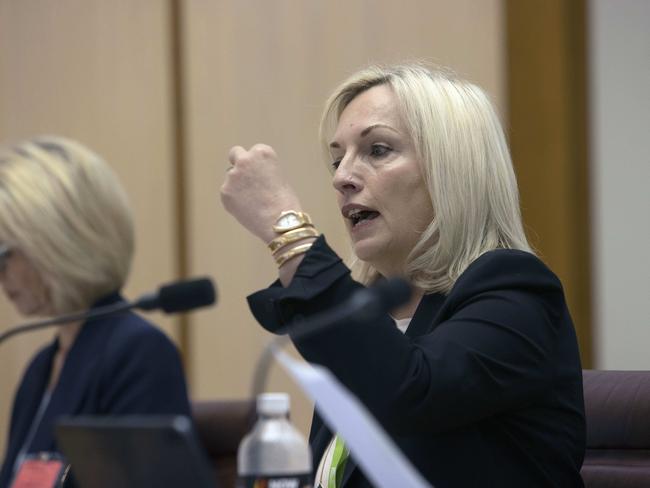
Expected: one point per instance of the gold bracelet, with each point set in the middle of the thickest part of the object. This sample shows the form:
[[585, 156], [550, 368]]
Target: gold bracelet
[[291, 219], [292, 253], [292, 236]]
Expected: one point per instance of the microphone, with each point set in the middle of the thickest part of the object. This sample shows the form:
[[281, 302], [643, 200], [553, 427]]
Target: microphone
[[179, 296], [364, 305]]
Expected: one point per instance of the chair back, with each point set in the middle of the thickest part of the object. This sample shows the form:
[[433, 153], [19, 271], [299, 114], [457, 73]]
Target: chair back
[[617, 407], [221, 425]]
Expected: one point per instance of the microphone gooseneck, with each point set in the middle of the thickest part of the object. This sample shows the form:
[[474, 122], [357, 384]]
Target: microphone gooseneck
[[174, 297], [68, 318]]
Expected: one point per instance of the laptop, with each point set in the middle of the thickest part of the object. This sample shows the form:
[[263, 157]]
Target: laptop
[[133, 452]]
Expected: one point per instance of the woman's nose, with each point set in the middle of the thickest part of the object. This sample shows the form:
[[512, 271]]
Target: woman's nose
[[346, 177]]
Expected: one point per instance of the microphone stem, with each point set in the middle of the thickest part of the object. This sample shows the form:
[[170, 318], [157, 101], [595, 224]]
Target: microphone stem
[[316, 324], [73, 317], [263, 366]]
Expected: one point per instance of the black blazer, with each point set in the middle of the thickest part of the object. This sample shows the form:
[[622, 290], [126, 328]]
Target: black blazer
[[117, 365], [485, 387]]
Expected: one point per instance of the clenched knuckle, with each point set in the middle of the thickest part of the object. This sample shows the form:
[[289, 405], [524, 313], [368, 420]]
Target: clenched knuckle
[[263, 150]]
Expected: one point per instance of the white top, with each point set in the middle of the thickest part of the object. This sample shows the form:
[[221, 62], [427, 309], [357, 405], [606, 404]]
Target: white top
[[402, 324]]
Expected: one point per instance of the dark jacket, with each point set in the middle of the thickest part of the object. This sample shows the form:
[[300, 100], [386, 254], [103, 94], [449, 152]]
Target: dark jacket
[[117, 365], [485, 387]]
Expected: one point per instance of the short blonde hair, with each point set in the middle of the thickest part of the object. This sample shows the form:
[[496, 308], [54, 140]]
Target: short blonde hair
[[64, 209], [465, 163]]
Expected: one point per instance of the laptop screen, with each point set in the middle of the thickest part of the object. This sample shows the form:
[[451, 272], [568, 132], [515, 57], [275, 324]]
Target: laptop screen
[[134, 452]]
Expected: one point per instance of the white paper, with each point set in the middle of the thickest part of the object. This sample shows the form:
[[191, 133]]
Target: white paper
[[382, 462]]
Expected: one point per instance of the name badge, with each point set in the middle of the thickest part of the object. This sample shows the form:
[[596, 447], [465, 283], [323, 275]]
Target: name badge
[[42, 470]]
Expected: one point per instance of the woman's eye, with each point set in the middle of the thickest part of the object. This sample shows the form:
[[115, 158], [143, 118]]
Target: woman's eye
[[379, 150], [335, 164]]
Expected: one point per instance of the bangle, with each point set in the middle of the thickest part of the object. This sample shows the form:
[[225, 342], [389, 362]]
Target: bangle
[[292, 253], [292, 236]]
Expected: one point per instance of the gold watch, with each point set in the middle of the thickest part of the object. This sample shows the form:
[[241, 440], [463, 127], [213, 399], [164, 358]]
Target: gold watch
[[290, 220]]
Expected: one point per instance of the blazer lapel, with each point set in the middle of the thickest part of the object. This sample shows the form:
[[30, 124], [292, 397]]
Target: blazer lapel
[[81, 364], [430, 306], [29, 398], [79, 370], [319, 442], [72, 387], [321, 436], [350, 466]]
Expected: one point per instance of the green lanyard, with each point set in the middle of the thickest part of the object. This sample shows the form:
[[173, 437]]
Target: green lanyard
[[339, 459]]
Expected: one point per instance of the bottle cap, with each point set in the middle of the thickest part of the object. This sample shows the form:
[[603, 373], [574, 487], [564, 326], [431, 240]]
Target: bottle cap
[[273, 403]]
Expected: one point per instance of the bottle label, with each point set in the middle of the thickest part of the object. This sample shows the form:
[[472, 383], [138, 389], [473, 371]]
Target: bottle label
[[280, 481]]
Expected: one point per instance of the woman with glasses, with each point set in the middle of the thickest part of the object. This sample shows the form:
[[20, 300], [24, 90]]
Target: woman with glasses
[[66, 244]]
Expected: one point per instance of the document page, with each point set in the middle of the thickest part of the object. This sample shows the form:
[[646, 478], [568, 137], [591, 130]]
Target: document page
[[382, 462]]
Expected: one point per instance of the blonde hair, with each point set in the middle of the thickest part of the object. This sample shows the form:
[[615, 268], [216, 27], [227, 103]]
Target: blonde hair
[[465, 163], [65, 210]]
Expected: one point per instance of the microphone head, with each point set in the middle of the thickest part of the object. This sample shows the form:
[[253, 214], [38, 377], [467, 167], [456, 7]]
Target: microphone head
[[186, 295], [179, 296]]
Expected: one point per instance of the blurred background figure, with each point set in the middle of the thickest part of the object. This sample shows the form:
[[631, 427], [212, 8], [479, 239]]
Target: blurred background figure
[[66, 245]]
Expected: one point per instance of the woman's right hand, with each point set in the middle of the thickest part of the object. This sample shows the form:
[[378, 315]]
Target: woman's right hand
[[256, 191]]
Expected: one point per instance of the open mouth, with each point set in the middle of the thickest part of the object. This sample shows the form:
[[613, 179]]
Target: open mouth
[[358, 216]]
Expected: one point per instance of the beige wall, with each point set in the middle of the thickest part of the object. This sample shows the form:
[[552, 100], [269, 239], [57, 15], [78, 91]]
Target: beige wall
[[259, 71], [97, 71], [619, 107], [252, 70]]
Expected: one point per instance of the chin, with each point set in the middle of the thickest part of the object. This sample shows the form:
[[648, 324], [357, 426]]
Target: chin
[[367, 252]]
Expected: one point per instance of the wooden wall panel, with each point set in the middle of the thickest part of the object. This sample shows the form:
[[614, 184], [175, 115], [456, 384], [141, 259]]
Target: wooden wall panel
[[144, 89], [98, 72], [548, 123], [259, 71]]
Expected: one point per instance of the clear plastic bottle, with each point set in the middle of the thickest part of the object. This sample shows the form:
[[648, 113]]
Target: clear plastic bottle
[[274, 454]]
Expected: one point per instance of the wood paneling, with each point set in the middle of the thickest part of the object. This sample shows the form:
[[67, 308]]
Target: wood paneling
[[547, 113], [260, 71], [163, 89], [98, 72]]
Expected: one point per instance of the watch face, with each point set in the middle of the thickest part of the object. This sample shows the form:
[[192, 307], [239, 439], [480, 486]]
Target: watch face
[[288, 221]]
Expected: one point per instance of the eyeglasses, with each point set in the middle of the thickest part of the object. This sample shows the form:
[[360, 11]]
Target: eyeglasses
[[5, 254]]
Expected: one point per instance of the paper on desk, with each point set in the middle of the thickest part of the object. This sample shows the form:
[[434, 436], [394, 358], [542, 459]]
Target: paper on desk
[[382, 462]]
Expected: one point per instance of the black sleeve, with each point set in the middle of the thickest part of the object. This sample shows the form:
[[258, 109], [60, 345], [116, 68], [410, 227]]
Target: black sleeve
[[490, 349]]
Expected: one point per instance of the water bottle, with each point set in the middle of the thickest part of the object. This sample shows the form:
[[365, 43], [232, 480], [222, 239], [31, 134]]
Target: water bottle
[[274, 454]]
